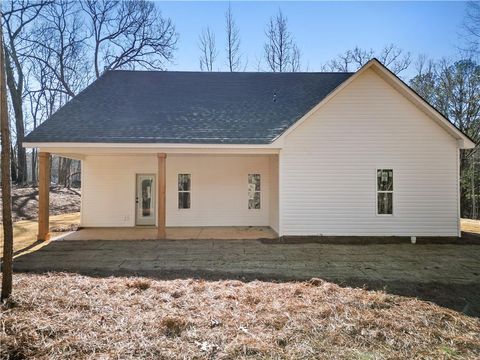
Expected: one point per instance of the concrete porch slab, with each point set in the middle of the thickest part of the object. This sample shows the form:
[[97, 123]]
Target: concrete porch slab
[[173, 233]]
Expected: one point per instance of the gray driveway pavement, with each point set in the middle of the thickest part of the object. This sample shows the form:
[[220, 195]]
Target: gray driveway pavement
[[443, 263], [446, 273]]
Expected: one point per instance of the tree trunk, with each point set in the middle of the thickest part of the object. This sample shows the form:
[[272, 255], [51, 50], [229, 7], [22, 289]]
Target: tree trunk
[[472, 185], [64, 166], [60, 177], [13, 167], [465, 198], [7, 266], [34, 167], [17, 102]]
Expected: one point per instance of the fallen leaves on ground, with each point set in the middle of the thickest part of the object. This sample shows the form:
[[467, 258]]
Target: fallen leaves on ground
[[63, 316]]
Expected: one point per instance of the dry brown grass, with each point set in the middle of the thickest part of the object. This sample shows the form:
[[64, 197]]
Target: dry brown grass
[[70, 316], [472, 226], [25, 231]]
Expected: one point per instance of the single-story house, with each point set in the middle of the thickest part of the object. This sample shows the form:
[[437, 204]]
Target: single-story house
[[306, 154]]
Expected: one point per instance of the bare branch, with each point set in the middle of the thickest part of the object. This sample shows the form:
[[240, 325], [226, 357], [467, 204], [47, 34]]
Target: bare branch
[[280, 52], [208, 50], [127, 34], [351, 60], [471, 27], [19, 17], [295, 61], [233, 42], [394, 58], [59, 44]]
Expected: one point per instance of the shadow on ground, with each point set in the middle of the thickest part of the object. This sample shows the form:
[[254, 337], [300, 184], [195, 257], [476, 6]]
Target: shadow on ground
[[446, 274]]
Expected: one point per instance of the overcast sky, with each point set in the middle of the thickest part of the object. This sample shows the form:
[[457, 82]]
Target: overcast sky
[[321, 29]]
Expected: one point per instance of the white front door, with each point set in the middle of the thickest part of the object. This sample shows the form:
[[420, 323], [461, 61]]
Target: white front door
[[145, 200]]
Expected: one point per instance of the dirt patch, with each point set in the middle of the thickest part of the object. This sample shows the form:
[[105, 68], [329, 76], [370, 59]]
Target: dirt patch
[[25, 202], [73, 316]]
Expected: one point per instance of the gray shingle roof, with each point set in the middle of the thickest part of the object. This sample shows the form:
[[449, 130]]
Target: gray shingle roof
[[187, 107]]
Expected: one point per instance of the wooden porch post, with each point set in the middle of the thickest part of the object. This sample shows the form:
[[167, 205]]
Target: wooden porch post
[[162, 170], [43, 196]]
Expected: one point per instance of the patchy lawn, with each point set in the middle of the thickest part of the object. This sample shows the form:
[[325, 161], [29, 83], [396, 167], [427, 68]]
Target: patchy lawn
[[25, 232], [71, 316]]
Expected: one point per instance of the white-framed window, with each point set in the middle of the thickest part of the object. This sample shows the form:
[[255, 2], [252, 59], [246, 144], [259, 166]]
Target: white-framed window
[[254, 191], [184, 191], [384, 191]]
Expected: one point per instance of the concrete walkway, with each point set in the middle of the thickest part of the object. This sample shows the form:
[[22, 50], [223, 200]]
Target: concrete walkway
[[447, 263], [173, 233]]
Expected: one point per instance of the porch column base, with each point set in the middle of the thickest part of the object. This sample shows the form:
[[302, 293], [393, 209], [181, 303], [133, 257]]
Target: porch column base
[[162, 170], [43, 196], [44, 237]]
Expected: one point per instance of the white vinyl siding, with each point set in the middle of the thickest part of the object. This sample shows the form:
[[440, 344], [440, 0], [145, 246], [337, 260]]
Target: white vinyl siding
[[328, 163], [218, 189], [109, 188]]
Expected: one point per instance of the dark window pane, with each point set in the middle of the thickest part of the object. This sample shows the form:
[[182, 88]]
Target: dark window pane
[[385, 203], [184, 200], [385, 180], [254, 181], [184, 182], [251, 191], [146, 197], [254, 201]]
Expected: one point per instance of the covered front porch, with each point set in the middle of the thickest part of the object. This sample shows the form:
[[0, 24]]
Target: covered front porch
[[140, 193]]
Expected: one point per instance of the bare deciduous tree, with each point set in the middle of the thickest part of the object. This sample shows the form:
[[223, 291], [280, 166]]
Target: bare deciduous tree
[[295, 63], [208, 50], [280, 52], [458, 89], [458, 94], [7, 263], [127, 34], [59, 45], [454, 89], [394, 58], [40, 102], [34, 103], [424, 81], [471, 26], [63, 44], [18, 16], [391, 56], [59, 50], [233, 42]]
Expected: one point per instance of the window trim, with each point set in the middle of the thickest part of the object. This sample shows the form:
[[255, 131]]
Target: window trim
[[184, 191], [259, 191], [385, 192]]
